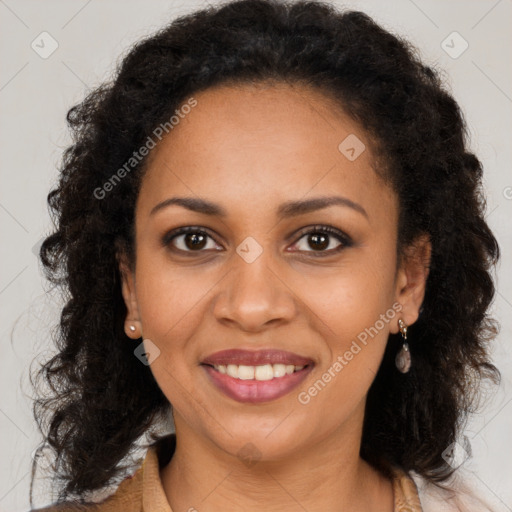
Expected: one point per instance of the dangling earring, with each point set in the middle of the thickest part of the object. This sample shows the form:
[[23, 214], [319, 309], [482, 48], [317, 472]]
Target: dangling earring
[[403, 358]]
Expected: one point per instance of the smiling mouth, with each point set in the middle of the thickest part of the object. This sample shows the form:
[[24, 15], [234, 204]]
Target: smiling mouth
[[259, 373], [256, 384]]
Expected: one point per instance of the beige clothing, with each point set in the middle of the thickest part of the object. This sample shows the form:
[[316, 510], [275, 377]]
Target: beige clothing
[[143, 491]]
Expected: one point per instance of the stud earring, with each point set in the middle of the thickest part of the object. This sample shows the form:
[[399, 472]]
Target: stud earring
[[403, 358], [132, 328]]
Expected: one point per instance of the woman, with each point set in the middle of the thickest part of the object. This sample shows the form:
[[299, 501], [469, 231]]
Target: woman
[[272, 232]]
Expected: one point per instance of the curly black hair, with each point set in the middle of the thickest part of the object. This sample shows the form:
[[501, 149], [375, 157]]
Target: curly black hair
[[102, 400]]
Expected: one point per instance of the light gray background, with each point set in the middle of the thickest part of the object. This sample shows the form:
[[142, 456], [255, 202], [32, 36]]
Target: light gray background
[[35, 94]]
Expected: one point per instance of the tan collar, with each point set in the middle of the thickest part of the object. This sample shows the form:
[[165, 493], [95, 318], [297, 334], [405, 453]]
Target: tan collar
[[153, 494], [405, 492]]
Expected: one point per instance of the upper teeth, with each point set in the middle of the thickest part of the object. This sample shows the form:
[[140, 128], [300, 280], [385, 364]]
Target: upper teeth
[[264, 372]]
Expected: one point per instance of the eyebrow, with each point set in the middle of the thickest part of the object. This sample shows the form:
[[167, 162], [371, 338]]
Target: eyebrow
[[285, 210]]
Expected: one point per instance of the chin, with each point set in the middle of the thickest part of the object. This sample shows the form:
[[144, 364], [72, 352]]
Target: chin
[[256, 442]]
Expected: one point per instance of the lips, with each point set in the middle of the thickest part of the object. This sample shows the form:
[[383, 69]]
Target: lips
[[255, 358], [267, 374]]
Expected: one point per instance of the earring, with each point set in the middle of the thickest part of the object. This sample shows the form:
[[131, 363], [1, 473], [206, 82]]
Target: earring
[[403, 358], [133, 329]]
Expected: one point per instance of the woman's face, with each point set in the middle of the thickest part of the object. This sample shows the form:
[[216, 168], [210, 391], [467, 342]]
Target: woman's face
[[263, 275]]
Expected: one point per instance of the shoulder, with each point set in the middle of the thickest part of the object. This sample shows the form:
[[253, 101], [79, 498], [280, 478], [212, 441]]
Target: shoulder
[[140, 491], [460, 493], [126, 498]]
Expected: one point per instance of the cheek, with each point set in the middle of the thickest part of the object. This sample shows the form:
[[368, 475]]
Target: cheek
[[171, 308], [351, 298], [355, 306], [171, 302], [355, 313]]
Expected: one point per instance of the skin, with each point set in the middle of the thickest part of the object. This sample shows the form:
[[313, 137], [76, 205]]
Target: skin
[[250, 149]]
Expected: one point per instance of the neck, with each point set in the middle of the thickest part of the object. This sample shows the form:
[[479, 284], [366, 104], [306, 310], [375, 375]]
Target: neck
[[326, 476]]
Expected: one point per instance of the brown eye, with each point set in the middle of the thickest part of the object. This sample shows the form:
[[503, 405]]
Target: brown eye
[[189, 239], [318, 241], [323, 239], [195, 240]]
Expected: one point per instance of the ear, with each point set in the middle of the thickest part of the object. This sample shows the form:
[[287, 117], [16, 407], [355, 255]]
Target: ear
[[411, 280], [132, 325]]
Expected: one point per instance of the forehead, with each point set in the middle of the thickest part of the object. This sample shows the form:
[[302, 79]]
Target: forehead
[[252, 146]]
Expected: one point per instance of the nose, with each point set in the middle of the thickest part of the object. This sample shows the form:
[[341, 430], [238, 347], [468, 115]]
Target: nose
[[254, 295]]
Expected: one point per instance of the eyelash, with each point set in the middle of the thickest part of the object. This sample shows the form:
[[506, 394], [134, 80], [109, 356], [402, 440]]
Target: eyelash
[[345, 240]]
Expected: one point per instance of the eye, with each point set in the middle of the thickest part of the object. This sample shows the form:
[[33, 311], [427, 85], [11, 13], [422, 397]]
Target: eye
[[323, 239], [188, 239]]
